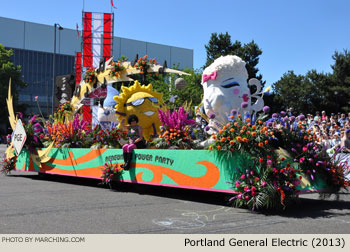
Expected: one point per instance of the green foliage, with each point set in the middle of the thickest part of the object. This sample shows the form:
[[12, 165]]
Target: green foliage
[[316, 91], [221, 45], [8, 70]]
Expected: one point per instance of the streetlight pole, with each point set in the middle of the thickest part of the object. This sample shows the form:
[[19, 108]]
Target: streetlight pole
[[54, 65]]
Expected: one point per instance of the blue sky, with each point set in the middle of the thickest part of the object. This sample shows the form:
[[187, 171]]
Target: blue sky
[[297, 35]]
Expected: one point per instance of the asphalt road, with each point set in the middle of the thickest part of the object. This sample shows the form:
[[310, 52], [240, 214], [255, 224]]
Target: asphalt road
[[30, 203]]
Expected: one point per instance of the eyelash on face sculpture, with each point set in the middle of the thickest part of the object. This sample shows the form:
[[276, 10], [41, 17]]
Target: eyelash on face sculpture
[[230, 84]]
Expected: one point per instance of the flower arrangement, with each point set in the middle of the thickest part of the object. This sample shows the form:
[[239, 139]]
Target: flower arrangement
[[116, 69], [143, 64], [69, 134], [63, 113], [90, 75], [33, 131], [107, 138], [8, 165], [271, 187], [175, 131], [111, 172]]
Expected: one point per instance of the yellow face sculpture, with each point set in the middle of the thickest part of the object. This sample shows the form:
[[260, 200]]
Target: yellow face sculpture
[[143, 102]]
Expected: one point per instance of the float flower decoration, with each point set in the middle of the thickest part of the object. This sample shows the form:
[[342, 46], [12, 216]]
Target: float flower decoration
[[261, 186], [63, 113], [175, 131], [107, 138], [143, 64], [33, 131], [302, 146], [90, 75], [8, 165], [116, 69], [111, 172], [244, 136], [69, 134]]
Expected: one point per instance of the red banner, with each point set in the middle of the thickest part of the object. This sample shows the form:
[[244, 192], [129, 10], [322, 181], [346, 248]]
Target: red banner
[[87, 52], [87, 116], [77, 68], [107, 35]]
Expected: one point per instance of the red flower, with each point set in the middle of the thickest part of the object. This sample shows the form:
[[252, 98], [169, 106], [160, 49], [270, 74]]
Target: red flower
[[261, 160]]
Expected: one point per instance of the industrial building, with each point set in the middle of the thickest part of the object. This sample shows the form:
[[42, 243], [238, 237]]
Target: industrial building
[[33, 49]]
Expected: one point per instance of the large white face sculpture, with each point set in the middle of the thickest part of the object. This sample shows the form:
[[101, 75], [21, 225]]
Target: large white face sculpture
[[226, 88]]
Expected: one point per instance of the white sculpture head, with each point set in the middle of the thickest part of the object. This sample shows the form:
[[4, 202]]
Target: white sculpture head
[[225, 87]]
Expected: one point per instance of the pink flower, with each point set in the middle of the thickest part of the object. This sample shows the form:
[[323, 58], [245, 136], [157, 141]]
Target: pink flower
[[36, 98], [254, 193], [256, 179], [304, 148], [269, 162], [253, 188], [263, 184], [243, 176], [239, 196], [246, 197], [301, 160], [246, 188]]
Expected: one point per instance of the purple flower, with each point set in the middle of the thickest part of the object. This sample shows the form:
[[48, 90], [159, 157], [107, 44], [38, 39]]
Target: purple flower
[[293, 150], [282, 113], [266, 109], [292, 118], [301, 117], [286, 119], [310, 160], [274, 115], [269, 162], [269, 124], [244, 105], [234, 112], [207, 128], [211, 115]]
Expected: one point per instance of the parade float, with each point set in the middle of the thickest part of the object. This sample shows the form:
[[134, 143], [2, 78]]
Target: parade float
[[262, 162]]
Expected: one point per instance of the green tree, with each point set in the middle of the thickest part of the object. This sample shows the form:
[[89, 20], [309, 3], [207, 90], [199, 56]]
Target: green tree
[[340, 81], [9, 70], [221, 45]]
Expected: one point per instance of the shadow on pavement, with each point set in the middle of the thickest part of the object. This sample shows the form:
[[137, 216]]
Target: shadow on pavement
[[302, 208]]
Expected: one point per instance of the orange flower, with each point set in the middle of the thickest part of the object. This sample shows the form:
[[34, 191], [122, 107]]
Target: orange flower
[[254, 127], [260, 122], [239, 139], [232, 142], [260, 144], [254, 134], [247, 120], [224, 128], [245, 140], [220, 131], [239, 115], [235, 124], [232, 130], [210, 147], [227, 125], [218, 147], [241, 131], [231, 117], [213, 136], [228, 138], [266, 141], [222, 139], [249, 124]]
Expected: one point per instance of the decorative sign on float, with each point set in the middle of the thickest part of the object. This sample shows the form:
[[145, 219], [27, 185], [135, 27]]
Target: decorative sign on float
[[19, 137]]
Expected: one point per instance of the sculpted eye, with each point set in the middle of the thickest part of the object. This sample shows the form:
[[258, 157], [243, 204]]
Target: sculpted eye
[[231, 84]]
